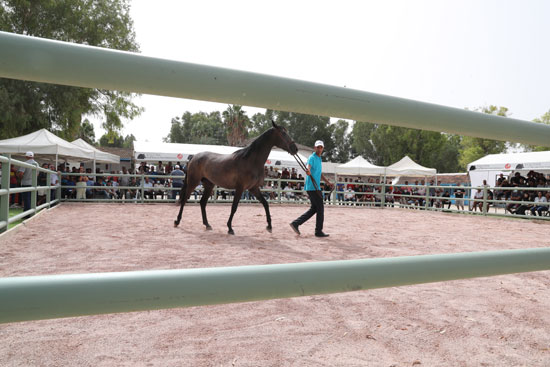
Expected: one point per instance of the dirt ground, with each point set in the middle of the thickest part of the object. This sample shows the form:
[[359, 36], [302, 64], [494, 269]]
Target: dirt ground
[[497, 321]]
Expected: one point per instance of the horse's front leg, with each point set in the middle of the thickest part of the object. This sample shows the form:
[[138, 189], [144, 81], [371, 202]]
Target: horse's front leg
[[236, 199], [258, 194]]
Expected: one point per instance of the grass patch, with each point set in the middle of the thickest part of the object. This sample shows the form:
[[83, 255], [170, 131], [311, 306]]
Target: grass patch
[[14, 212]]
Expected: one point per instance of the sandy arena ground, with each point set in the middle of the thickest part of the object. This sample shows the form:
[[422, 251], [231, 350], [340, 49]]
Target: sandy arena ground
[[497, 321]]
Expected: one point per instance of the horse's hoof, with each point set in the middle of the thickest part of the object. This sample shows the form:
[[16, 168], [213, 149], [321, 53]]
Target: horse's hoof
[[230, 232], [208, 228], [176, 223], [269, 229]]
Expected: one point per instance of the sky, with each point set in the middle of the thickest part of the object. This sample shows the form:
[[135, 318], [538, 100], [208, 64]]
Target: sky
[[464, 54]]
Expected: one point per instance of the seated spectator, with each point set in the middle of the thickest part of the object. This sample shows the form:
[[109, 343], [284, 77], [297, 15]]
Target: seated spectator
[[148, 188], [158, 189], [515, 196], [287, 193], [524, 205], [349, 196], [445, 199], [478, 200], [198, 191], [541, 204]]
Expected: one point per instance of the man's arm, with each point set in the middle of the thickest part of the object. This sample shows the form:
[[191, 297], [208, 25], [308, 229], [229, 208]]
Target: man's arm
[[324, 178]]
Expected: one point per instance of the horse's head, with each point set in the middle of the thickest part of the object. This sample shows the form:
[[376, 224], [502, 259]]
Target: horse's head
[[283, 140]]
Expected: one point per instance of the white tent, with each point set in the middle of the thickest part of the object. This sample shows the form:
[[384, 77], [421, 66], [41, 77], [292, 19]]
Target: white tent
[[359, 166], [99, 156], [492, 165], [408, 167], [43, 142], [171, 152]]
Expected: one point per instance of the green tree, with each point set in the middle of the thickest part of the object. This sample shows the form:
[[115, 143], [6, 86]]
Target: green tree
[[544, 119], [306, 129], [197, 128], [114, 139], [475, 148], [237, 123], [28, 106], [341, 140], [385, 144], [87, 132]]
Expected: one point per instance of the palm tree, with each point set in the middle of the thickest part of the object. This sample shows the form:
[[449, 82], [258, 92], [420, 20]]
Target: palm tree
[[237, 123]]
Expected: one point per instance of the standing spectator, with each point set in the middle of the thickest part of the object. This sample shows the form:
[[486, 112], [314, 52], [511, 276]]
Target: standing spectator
[[82, 182], [340, 187], [14, 198], [177, 182], [459, 198], [25, 175], [124, 181], [42, 181], [54, 181]]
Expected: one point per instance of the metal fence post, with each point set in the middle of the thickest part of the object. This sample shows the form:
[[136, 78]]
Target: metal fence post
[[5, 199], [33, 192], [48, 191], [383, 190], [142, 188], [427, 196], [484, 200]]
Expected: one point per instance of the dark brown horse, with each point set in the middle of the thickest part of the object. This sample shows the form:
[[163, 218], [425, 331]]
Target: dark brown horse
[[239, 171]]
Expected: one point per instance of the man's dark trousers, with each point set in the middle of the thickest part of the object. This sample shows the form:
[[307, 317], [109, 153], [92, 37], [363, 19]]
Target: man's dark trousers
[[317, 207]]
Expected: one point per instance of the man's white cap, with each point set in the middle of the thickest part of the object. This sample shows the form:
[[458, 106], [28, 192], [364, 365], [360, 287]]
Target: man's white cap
[[177, 166], [319, 143], [29, 154]]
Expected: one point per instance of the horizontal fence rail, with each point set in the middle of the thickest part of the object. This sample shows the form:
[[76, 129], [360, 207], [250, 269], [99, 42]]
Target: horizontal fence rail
[[56, 296], [6, 190], [48, 61]]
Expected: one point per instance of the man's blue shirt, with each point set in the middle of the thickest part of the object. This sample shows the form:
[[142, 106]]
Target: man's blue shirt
[[316, 168]]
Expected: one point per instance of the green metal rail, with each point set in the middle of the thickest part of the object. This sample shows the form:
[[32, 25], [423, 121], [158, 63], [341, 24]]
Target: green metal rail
[[49, 61], [6, 191], [55, 296]]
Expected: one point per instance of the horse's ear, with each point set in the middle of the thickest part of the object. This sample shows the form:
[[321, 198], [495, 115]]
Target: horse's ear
[[274, 124]]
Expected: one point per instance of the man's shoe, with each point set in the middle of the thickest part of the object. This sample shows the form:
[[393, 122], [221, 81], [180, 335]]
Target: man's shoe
[[321, 234], [295, 228]]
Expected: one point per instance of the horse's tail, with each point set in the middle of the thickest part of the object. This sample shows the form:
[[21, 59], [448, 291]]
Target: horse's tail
[[183, 193]]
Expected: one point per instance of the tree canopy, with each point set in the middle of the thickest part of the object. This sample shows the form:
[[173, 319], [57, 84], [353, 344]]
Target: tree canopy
[[28, 106], [380, 144]]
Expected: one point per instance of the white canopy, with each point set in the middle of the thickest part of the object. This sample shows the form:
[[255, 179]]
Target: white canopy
[[408, 167], [172, 152], [359, 166], [43, 142], [99, 156], [490, 166]]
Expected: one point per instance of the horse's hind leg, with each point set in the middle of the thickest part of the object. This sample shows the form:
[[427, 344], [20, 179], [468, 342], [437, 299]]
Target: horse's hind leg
[[208, 186], [258, 194], [236, 199], [185, 193]]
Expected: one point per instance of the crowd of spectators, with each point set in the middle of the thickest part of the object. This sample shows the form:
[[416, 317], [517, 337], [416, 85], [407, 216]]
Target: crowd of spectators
[[163, 180], [158, 181], [524, 189]]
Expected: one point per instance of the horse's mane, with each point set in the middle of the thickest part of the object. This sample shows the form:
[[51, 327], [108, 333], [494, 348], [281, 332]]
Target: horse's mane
[[254, 146]]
